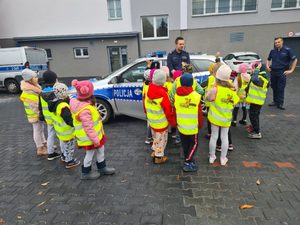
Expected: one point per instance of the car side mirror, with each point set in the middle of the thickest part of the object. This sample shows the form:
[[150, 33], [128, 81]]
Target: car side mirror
[[113, 80]]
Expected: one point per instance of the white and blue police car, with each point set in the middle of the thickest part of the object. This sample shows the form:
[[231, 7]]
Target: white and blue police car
[[120, 93]]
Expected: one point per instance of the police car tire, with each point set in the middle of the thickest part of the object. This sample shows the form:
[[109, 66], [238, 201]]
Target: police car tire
[[12, 86], [107, 108]]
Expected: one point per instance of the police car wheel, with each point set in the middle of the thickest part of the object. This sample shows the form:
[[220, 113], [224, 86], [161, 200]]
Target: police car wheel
[[104, 110], [12, 86]]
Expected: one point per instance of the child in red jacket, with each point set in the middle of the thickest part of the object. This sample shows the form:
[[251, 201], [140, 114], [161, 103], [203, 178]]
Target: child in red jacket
[[159, 114]]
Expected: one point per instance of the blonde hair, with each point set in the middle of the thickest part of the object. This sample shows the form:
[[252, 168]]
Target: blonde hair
[[216, 67], [224, 83]]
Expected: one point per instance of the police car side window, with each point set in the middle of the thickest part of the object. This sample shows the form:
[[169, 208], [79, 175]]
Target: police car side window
[[201, 65], [134, 73]]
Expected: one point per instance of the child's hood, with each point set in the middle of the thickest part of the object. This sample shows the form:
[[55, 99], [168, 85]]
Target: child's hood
[[52, 104], [183, 90], [28, 87], [77, 105], [155, 91]]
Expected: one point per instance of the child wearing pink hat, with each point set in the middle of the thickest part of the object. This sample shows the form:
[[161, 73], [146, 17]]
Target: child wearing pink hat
[[240, 83], [89, 130]]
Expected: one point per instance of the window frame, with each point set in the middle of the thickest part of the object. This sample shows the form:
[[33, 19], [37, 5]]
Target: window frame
[[49, 49], [115, 10], [230, 12], [284, 8], [82, 56], [155, 28]]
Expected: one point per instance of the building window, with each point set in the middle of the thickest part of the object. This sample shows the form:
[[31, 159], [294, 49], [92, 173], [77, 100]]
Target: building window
[[49, 53], [155, 27], [237, 37], [212, 7], [285, 4], [114, 9], [81, 53]]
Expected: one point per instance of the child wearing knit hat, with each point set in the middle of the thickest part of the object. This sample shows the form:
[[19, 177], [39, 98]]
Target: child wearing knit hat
[[47, 95], [159, 114], [62, 121], [30, 98], [89, 130], [223, 99], [240, 83], [189, 119]]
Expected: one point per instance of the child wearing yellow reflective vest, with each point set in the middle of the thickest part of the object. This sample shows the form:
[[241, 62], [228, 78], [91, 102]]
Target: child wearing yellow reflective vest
[[89, 130], [62, 121], [223, 99], [159, 115], [240, 83], [30, 98], [189, 119], [47, 95], [256, 96]]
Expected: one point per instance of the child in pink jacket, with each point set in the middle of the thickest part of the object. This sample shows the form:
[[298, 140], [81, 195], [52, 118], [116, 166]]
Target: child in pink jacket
[[89, 130]]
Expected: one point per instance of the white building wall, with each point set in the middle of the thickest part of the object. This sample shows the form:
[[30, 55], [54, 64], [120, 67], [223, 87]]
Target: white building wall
[[26, 18], [263, 15]]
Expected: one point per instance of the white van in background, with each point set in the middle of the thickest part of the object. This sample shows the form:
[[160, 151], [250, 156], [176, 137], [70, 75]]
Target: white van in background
[[14, 60]]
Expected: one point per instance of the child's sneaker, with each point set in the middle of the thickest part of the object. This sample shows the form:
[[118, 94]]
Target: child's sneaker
[[107, 171], [160, 160], [62, 158], [255, 135], [87, 174], [72, 163], [189, 167], [230, 147], [218, 148], [41, 151], [152, 153], [233, 123], [249, 128], [223, 161], [148, 141], [53, 156], [212, 159], [243, 122]]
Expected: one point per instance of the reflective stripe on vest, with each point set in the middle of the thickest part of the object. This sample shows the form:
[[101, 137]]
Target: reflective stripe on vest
[[47, 114], [220, 111], [257, 95], [155, 114], [187, 108], [63, 131], [25, 97], [81, 136]]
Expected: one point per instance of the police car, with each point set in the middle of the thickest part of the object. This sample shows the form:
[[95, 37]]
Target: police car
[[120, 93]]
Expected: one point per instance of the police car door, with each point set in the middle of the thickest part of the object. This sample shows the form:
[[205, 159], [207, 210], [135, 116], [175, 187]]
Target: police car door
[[128, 91]]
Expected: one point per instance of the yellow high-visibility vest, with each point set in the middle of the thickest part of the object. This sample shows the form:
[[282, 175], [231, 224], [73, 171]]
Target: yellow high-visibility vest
[[47, 114], [145, 89], [155, 113], [187, 113], [63, 131], [81, 136], [242, 91], [257, 95], [25, 96], [220, 111], [210, 83], [169, 86]]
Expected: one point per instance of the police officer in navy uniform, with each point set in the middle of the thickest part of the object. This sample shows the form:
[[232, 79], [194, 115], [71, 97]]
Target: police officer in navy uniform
[[281, 63], [178, 56]]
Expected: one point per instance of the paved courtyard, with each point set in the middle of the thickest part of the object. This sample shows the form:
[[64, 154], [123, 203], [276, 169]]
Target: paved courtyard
[[264, 173]]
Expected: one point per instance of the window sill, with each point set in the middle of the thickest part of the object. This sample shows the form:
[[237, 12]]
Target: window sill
[[284, 9], [113, 19], [224, 14], [155, 38], [81, 57]]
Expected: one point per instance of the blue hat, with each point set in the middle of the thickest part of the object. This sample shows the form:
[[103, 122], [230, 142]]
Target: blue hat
[[187, 80]]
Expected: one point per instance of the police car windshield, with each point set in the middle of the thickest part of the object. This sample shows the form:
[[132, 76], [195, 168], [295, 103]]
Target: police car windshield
[[108, 76]]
